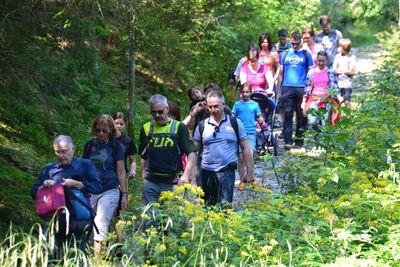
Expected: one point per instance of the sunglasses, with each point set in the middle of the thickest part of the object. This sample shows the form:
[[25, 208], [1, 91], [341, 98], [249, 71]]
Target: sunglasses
[[296, 44], [159, 112], [216, 130]]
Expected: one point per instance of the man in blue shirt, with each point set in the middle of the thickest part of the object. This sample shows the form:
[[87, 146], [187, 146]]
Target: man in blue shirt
[[71, 172], [294, 65], [220, 146]]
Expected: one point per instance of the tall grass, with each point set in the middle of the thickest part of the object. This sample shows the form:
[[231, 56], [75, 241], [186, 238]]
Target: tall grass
[[38, 248]]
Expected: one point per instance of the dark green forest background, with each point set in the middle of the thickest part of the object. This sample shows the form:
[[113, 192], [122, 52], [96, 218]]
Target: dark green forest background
[[62, 63]]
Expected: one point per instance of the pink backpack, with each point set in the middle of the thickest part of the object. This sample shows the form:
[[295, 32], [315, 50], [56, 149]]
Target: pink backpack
[[49, 200]]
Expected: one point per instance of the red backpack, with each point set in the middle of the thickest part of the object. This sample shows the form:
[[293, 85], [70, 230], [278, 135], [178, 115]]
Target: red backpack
[[49, 200]]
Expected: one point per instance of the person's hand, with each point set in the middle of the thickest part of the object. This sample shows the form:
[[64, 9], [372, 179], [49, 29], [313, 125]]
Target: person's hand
[[303, 104], [124, 201], [340, 98], [67, 182], [279, 97], [132, 173], [197, 108], [270, 92], [47, 183], [193, 182], [183, 180]]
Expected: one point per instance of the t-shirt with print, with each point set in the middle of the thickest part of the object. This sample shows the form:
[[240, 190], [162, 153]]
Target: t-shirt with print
[[219, 143], [101, 154], [295, 68], [163, 152], [247, 113], [330, 43]]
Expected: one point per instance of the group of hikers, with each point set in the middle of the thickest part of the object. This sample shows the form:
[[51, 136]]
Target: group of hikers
[[207, 146]]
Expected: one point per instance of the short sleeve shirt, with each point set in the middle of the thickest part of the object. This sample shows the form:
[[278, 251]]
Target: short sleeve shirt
[[345, 62], [129, 147], [330, 43], [295, 68], [163, 159], [257, 78], [220, 146], [102, 157], [247, 113]]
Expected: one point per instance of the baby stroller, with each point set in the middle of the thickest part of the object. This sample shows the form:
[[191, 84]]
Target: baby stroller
[[266, 139]]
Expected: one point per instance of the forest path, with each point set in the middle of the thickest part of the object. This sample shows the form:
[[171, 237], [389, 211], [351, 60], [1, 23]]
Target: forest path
[[367, 60]]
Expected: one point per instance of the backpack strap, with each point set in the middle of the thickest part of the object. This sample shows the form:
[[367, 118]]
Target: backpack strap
[[86, 205], [235, 127], [285, 53], [173, 134], [306, 58], [148, 138], [201, 130]]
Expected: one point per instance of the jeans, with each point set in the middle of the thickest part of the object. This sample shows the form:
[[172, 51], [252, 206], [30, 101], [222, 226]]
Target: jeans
[[152, 191], [313, 120], [218, 187], [291, 99]]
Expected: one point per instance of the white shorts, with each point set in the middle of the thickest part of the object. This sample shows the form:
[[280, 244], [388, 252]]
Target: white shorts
[[104, 205]]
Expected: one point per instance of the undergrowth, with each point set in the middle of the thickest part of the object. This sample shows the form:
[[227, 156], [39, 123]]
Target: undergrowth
[[341, 208]]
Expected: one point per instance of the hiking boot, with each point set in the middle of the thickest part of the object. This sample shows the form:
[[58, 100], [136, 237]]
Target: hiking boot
[[242, 186], [255, 185]]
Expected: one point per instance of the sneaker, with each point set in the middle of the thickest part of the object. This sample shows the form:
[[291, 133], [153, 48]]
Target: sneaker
[[254, 185], [277, 124], [242, 186]]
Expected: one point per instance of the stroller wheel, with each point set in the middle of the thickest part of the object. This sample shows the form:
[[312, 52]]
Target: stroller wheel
[[275, 144]]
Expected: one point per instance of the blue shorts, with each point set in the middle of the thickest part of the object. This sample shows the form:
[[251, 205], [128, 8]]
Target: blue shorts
[[251, 139]]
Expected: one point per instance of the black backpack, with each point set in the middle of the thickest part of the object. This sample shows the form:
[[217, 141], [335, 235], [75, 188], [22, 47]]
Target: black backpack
[[234, 124]]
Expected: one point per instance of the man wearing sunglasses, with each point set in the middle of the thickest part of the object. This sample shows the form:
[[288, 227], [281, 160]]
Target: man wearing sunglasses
[[162, 142], [220, 144], [294, 65]]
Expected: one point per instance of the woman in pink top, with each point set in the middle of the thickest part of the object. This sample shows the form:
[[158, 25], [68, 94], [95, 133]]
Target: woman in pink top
[[256, 73], [310, 45], [319, 79]]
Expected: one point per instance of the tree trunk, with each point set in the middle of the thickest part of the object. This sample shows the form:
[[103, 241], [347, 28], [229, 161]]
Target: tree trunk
[[131, 89]]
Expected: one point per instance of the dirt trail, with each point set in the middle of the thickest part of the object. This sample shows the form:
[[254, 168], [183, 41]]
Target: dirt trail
[[367, 58]]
